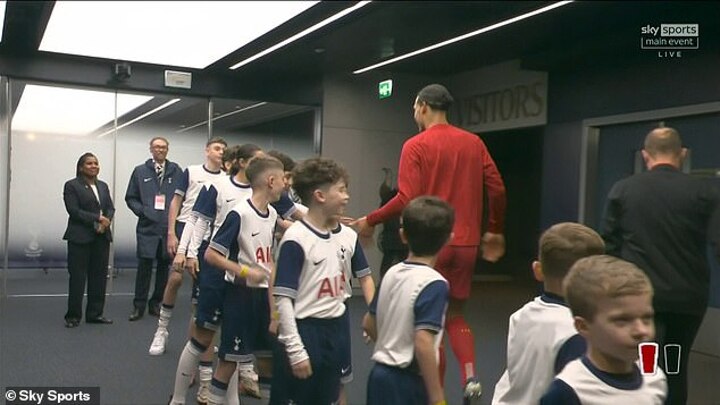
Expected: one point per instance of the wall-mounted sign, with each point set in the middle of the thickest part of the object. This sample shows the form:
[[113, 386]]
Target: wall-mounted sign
[[385, 89], [499, 97], [182, 80]]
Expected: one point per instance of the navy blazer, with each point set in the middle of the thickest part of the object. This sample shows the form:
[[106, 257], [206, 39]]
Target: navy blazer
[[142, 188], [84, 210]]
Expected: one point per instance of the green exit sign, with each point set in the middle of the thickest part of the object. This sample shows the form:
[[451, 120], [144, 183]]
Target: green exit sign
[[385, 89]]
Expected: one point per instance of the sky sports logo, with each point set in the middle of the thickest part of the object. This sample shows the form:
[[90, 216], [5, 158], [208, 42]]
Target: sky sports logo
[[670, 39]]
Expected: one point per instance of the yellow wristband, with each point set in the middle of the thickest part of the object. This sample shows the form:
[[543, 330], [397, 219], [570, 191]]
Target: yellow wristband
[[276, 315], [244, 271], [443, 402]]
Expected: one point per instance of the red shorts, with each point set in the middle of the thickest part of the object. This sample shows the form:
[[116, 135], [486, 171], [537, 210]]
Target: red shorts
[[457, 265]]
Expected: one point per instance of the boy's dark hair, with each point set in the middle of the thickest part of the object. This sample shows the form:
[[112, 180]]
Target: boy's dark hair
[[316, 173], [565, 243], [216, 139], [230, 153], [427, 222], [259, 165], [242, 152], [286, 160]]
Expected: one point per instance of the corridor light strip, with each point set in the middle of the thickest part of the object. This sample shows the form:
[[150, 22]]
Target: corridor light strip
[[250, 107], [301, 34], [464, 36], [147, 114]]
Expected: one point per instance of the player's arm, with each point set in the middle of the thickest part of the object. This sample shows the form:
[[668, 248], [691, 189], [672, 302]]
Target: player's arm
[[289, 266], [175, 204], [425, 356], [493, 241], [361, 270], [429, 311], [274, 314], [368, 323], [219, 250]]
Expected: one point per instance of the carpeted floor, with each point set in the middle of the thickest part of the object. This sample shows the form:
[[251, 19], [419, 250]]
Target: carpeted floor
[[37, 350]]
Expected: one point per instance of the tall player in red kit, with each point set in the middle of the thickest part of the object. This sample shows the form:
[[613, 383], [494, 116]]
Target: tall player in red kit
[[454, 165]]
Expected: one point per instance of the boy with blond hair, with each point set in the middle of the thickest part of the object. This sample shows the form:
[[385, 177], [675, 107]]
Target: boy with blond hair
[[611, 301], [541, 335]]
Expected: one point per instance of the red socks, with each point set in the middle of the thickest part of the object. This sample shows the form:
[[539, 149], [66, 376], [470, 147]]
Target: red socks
[[463, 346]]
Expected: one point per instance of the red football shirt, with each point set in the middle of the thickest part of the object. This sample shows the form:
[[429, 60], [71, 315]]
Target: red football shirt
[[452, 164]]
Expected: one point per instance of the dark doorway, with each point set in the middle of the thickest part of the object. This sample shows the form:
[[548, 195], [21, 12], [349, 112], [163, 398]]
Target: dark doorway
[[518, 154]]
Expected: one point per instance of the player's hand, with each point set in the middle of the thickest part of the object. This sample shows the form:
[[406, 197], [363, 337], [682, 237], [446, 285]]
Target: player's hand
[[273, 328], [364, 230], [172, 244], [256, 275], [347, 220], [178, 262], [302, 370], [366, 337], [191, 266], [493, 246]]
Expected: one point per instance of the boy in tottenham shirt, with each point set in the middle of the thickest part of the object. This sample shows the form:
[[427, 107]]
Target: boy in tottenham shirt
[[247, 232], [407, 314], [310, 291]]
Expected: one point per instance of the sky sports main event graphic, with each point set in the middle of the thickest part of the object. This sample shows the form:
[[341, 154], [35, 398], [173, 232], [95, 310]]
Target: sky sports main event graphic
[[670, 40], [649, 353]]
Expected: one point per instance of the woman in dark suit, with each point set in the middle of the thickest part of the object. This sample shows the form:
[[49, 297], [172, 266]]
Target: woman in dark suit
[[88, 202]]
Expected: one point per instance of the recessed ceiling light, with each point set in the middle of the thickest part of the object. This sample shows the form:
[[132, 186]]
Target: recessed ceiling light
[[191, 34], [301, 34], [67, 111], [464, 36], [3, 5]]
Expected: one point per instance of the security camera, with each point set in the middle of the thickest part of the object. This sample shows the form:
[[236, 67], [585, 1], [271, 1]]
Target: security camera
[[122, 71]]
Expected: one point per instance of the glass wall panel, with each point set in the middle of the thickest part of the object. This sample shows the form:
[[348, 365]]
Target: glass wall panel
[[287, 128], [4, 181], [183, 122], [51, 128]]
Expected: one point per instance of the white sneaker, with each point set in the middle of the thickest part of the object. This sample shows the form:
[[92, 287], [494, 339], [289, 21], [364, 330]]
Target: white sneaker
[[157, 347], [473, 391], [248, 381], [203, 392]]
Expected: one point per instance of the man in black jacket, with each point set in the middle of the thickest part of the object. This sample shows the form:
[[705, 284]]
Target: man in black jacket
[[661, 220], [148, 196]]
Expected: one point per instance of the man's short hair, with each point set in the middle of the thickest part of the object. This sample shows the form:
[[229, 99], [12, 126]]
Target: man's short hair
[[259, 166], [596, 277], [159, 138], [427, 222], [286, 160], [436, 96], [216, 139], [565, 243], [316, 173], [230, 153], [663, 141]]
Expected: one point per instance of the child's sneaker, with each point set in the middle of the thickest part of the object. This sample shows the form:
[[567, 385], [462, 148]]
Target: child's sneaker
[[248, 381], [157, 347]]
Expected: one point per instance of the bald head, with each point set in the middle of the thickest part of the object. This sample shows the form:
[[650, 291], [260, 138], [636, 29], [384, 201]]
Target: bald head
[[663, 142]]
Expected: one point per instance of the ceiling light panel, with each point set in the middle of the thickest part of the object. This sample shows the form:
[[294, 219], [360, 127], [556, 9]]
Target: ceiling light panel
[[3, 4], [64, 111], [191, 34]]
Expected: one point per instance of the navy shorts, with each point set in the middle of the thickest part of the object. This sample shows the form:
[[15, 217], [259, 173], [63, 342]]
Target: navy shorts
[[320, 337], [211, 293], [346, 370], [237, 338], [389, 385]]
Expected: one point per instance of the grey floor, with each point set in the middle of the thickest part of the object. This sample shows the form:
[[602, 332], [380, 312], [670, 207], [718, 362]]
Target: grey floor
[[36, 350]]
